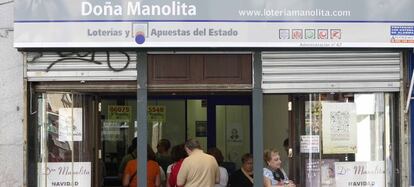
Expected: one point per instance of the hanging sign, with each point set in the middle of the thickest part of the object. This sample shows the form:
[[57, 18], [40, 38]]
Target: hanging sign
[[213, 23], [53, 174], [156, 113], [70, 124], [309, 144], [349, 174], [201, 128], [111, 130], [119, 113]]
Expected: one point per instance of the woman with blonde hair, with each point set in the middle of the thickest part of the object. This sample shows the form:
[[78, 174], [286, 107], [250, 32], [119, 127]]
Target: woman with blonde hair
[[273, 174]]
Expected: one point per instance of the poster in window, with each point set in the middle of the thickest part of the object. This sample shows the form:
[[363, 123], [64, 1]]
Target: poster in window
[[320, 173], [70, 124], [65, 174], [120, 113], [201, 129], [111, 130], [234, 133], [313, 117], [339, 128], [370, 173], [156, 113], [309, 144]]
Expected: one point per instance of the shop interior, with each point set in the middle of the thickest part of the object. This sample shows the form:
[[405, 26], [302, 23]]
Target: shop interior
[[102, 127]]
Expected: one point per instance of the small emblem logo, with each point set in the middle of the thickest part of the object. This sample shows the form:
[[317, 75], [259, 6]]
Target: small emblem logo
[[322, 33], [284, 34]]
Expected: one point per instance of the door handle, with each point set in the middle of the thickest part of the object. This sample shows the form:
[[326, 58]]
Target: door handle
[[99, 154], [290, 153]]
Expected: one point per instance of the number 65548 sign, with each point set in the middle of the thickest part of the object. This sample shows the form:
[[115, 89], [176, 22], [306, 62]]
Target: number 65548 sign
[[156, 113]]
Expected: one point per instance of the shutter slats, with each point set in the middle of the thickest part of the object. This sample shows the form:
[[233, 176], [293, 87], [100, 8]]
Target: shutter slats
[[75, 68], [330, 71], [326, 62]]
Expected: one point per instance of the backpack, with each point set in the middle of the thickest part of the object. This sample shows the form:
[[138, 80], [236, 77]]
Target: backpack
[[175, 168]]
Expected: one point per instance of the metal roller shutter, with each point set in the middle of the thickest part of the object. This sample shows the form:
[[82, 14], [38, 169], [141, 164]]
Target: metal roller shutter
[[330, 71], [81, 66]]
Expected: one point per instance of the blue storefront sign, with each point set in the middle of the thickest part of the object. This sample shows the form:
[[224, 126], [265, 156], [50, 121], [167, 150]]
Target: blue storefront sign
[[213, 23]]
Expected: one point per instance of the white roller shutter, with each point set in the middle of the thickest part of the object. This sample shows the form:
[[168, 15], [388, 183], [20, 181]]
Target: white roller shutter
[[81, 66], [330, 71]]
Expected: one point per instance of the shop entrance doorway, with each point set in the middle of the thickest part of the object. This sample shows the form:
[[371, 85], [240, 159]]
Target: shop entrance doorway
[[334, 133], [233, 131], [216, 121], [104, 126], [63, 139], [117, 129]]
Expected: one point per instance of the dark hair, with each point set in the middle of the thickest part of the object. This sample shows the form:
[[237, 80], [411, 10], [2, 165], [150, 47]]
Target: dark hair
[[216, 153], [150, 153], [133, 146], [165, 143], [246, 157], [192, 144], [178, 152], [286, 142]]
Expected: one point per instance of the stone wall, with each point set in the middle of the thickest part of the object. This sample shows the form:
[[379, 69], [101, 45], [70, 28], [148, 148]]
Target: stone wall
[[11, 102]]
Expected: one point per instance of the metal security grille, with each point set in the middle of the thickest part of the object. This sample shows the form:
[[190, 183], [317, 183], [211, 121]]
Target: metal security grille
[[81, 66], [330, 71]]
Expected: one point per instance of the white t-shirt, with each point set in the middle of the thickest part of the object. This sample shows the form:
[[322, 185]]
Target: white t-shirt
[[163, 178], [169, 168], [224, 177]]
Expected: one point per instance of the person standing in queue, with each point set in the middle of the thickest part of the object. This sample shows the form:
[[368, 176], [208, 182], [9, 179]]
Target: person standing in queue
[[162, 156], [131, 155], [224, 175], [198, 169], [178, 155], [244, 176], [153, 171]]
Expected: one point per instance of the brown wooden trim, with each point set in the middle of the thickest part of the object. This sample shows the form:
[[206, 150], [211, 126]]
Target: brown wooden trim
[[217, 71]]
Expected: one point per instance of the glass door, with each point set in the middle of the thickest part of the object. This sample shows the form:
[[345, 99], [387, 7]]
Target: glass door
[[64, 139], [233, 132], [229, 124], [117, 132], [223, 122], [343, 139]]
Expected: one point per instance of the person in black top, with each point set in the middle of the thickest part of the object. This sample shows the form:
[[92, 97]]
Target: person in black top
[[244, 176], [162, 155]]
